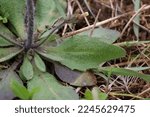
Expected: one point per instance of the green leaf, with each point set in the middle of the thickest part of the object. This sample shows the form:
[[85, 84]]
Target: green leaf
[[48, 88], [47, 12], [60, 5], [4, 43], [98, 95], [8, 53], [125, 72], [1, 18], [82, 53], [4, 20], [4, 31], [22, 76], [14, 11], [51, 41], [39, 63], [88, 95], [95, 94], [6, 78], [27, 69], [103, 34], [19, 90]]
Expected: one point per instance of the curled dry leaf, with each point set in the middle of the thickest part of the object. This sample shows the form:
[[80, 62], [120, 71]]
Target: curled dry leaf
[[74, 77]]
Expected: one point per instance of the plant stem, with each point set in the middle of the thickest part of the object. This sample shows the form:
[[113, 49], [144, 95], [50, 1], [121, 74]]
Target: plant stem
[[131, 43], [52, 31], [103, 22], [30, 24], [124, 94]]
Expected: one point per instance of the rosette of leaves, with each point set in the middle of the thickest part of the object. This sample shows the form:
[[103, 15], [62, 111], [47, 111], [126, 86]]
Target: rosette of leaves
[[26, 41]]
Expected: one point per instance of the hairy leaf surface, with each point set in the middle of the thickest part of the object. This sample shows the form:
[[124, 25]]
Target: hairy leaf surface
[[4, 32], [82, 53], [39, 63], [48, 88], [47, 12], [27, 69], [103, 34], [14, 11], [8, 53]]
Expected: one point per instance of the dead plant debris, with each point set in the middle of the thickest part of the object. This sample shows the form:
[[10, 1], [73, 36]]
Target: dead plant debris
[[138, 53]]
